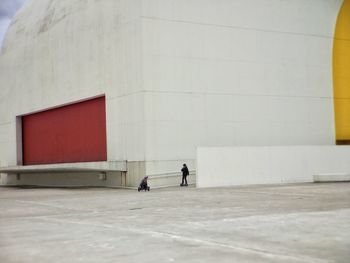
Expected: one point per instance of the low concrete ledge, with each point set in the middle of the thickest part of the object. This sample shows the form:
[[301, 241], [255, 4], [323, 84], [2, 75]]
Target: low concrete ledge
[[248, 165], [67, 167], [327, 178]]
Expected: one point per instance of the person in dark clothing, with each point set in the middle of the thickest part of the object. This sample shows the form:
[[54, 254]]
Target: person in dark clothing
[[143, 185], [185, 172]]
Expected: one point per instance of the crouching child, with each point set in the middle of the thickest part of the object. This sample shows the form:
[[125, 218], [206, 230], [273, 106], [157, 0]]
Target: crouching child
[[144, 185]]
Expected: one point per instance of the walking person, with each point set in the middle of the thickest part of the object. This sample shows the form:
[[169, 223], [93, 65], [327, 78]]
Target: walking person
[[185, 172]]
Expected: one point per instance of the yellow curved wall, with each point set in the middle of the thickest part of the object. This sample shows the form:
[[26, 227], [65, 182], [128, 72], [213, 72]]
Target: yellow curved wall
[[341, 74]]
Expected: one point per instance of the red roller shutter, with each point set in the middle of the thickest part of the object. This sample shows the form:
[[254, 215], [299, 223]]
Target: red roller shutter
[[73, 133]]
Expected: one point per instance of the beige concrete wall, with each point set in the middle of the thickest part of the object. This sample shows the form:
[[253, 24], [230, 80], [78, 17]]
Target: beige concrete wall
[[113, 179]]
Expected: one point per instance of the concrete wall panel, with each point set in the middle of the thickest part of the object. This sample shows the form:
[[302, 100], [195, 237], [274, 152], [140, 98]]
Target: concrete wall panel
[[229, 166]]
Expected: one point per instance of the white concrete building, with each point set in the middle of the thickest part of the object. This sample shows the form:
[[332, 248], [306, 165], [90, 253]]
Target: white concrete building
[[175, 74]]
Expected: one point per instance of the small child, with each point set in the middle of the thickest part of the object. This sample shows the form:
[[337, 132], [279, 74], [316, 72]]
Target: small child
[[143, 185]]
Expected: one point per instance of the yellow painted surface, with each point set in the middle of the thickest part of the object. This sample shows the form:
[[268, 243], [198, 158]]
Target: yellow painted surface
[[341, 73]]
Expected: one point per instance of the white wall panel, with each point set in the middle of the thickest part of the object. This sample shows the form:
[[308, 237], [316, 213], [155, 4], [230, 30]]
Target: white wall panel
[[174, 107], [173, 140], [229, 166]]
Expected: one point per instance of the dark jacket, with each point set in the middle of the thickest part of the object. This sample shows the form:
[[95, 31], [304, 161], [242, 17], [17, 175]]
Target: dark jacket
[[185, 171], [143, 183]]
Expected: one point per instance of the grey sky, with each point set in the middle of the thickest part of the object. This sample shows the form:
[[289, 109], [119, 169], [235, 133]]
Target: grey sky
[[8, 9]]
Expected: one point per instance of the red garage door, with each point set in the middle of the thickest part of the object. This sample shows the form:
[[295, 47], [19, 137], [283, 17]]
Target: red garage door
[[73, 133]]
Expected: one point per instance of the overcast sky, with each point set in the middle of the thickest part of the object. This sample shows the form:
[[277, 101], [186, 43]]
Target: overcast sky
[[8, 9]]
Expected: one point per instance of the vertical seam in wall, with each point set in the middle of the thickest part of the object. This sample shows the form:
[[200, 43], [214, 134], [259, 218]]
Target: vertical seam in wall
[[144, 133]]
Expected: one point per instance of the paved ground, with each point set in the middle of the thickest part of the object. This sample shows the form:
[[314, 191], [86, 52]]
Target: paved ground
[[290, 223]]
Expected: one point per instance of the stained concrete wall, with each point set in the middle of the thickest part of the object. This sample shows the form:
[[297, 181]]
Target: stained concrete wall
[[58, 52], [225, 166], [176, 74], [111, 179]]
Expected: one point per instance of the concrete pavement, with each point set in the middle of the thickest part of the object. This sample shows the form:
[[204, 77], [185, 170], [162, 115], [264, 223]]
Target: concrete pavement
[[280, 223]]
